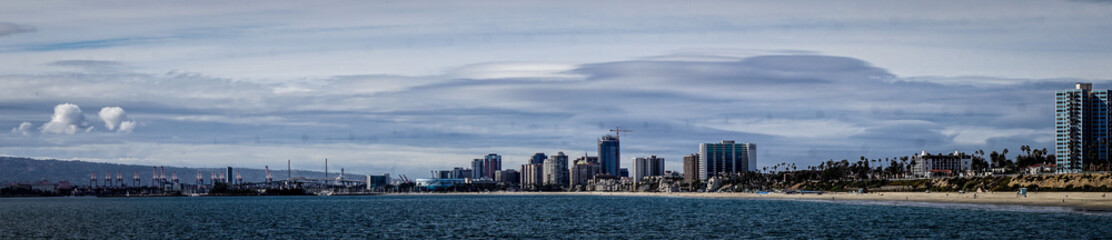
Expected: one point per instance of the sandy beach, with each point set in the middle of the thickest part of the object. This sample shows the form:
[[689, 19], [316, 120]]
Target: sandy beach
[[1079, 200]]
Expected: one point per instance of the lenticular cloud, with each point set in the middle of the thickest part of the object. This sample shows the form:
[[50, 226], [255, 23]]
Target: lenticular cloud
[[115, 118]]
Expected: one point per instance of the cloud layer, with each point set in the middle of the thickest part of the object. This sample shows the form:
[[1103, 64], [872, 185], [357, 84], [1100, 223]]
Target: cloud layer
[[799, 108], [433, 85]]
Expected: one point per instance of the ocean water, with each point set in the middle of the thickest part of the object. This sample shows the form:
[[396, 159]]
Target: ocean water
[[522, 216]]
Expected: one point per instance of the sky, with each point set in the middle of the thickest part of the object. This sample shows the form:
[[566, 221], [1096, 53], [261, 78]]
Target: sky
[[405, 87]]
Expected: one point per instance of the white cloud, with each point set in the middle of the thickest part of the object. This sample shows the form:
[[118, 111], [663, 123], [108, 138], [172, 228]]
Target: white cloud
[[23, 129], [67, 119], [127, 126], [116, 117], [112, 116]]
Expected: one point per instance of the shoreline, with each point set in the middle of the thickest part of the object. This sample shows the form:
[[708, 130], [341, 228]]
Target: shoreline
[[1092, 201]]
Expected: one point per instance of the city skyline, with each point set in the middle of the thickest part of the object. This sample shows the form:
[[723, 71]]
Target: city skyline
[[405, 88]]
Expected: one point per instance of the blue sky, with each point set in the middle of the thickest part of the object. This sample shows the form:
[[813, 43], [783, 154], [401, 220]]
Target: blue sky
[[407, 87]]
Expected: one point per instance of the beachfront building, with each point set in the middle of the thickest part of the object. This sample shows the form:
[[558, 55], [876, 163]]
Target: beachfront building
[[532, 175], [727, 157], [609, 155], [691, 168], [556, 170], [1081, 124], [645, 167], [926, 165]]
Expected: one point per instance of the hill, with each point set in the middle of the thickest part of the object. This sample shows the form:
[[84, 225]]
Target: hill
[[26, 170]]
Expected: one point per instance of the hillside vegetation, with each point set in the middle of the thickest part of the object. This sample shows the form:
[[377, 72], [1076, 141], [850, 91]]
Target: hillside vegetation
[[1080, 182]]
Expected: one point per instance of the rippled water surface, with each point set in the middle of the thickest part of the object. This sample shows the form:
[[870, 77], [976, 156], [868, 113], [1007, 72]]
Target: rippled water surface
[[485, 217]]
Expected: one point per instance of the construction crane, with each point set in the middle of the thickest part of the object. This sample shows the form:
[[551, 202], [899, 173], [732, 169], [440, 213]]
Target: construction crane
[[618, 132]]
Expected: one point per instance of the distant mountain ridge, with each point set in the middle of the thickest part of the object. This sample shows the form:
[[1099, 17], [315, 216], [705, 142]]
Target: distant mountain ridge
[[27, 170]]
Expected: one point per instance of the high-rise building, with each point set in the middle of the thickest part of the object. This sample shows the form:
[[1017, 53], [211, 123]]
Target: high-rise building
[[584, 169], [645, 167], [691, 168], [556, 170], [229, 176], [532, 175], [491, 163], [477, 169], [538, 158], [609, 154], [1081, 124], [726, 157]]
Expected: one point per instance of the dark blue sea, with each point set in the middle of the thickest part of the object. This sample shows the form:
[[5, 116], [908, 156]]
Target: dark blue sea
[[524, 216]]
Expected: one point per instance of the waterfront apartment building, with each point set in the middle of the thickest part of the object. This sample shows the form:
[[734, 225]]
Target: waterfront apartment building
[[532, 175], [556, 170], [716, 159], [926, 165], [645, 167], [1081, 124], [609, 155], [691, 168]]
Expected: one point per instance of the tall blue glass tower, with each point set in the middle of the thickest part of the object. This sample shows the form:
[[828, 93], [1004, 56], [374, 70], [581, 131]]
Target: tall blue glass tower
[[609, 154], [1081, 126]]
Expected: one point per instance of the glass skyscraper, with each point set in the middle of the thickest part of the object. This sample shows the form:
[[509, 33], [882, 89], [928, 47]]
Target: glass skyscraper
[[726, 157], [538, 158], [1081, 123], [609, 154]]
